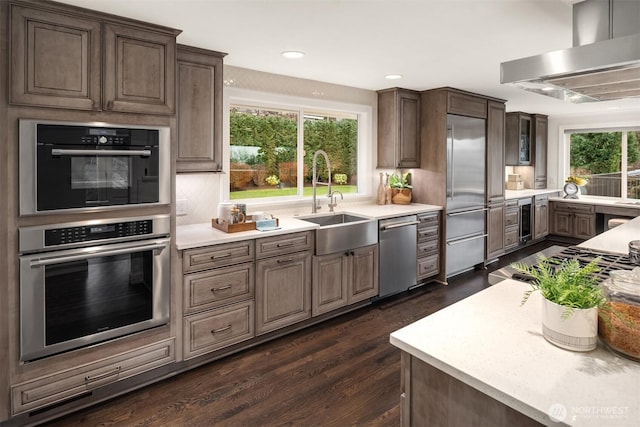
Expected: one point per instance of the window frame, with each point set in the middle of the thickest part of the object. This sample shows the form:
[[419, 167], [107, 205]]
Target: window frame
[[566, 132], [246, 97]]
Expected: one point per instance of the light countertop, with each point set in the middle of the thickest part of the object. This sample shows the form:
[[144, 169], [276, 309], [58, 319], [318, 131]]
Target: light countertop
[[601, 200], [517, 194], [203, 234], [493, 344]]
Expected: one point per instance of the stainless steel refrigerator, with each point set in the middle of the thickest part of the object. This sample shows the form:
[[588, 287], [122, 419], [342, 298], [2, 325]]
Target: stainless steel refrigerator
[[465, 207]]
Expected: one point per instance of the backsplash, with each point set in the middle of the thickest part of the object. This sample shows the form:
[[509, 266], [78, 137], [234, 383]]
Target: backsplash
[[202, 193]]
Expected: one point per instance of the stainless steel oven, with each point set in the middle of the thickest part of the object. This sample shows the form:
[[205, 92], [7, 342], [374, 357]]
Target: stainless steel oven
[[86, 282], [92, 166]]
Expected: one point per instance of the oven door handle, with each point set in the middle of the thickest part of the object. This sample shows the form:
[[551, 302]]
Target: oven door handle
[[66, 152], [95, 254]]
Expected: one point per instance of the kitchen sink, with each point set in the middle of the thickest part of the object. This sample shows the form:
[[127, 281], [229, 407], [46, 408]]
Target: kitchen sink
[[341, 232]]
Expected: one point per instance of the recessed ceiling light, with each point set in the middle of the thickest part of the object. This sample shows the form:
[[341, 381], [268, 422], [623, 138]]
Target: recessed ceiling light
[[393, 76], [293, 54]]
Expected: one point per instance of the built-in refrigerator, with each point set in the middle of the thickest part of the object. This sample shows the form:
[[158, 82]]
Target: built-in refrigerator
[[465, 198]]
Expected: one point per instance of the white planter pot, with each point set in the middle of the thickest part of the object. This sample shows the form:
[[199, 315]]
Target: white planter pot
[[578, 332]]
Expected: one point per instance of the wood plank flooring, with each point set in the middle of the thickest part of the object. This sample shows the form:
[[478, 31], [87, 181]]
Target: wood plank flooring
[[343, 372]]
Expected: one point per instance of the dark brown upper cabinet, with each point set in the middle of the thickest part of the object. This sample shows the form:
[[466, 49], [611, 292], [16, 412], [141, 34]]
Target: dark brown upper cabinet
[[398, 128], [495, 151], [199, 110], [518, 139], [541, 131], [63, 57]]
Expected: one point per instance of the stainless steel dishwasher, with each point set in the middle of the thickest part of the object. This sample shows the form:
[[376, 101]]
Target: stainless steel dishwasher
[[397, 238]]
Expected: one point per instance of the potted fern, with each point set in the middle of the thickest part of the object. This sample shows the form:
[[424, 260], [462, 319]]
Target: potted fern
[[571, 300]]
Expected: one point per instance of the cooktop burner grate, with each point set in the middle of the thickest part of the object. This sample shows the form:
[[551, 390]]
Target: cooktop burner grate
[[608, 261]]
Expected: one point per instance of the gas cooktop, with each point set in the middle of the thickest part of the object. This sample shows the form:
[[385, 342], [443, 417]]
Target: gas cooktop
[[607, 261]]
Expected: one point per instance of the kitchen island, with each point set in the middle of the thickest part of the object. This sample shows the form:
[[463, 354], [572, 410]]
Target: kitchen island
[[484, 361]]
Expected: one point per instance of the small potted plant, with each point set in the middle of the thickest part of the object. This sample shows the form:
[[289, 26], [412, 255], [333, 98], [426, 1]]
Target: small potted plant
[[400, 188], [272, 180], [571, 300]]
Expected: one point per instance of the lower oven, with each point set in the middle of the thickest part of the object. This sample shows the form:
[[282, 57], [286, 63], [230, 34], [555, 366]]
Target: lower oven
[[86, 282]]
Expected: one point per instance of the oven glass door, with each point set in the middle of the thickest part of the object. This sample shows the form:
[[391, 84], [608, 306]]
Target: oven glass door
[[72, 177], [89, 295]]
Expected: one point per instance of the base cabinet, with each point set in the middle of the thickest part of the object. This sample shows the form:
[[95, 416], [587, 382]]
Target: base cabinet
[[283, 280], [511, 224], [495, 230], [67, 384], [576, 220], [431, 397], [540, 217], [218, 297], [283, 291], [428, 250]]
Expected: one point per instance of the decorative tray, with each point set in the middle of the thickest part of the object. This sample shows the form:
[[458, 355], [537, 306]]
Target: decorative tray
[[250, 225]]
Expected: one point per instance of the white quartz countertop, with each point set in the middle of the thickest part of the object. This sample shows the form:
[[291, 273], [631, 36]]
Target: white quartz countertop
[[494, 345], [601, 200], [203, 234], [517, 194]]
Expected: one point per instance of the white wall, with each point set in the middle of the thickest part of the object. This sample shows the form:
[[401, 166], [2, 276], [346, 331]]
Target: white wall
[[558, 149], [203, 190]]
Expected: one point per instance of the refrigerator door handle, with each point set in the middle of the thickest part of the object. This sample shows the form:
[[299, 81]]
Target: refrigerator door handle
[[449, 162], [466, 239], [467, 212]]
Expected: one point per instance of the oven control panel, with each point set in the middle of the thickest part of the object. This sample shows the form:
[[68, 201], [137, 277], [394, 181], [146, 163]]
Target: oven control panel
[[93, 233]]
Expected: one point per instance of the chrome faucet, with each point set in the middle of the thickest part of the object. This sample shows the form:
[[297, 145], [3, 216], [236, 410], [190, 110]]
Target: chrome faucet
[[332, 196], [314, 179]]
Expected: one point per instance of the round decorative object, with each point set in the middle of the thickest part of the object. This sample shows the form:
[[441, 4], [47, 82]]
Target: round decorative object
[[571, 190]]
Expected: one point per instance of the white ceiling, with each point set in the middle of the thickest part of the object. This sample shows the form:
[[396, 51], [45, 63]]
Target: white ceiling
[[432, 43]]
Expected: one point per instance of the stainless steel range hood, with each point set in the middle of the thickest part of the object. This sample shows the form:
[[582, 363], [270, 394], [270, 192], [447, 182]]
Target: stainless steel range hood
[[603, 65]]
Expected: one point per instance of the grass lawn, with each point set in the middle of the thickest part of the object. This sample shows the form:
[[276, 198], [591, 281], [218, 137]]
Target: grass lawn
[[281, 192]]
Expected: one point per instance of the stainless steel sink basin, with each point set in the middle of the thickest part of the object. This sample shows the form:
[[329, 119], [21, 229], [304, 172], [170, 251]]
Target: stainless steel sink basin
[[341, 232]]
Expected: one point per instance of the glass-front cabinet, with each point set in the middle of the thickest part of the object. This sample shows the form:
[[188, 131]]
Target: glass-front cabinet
[[518, 139]]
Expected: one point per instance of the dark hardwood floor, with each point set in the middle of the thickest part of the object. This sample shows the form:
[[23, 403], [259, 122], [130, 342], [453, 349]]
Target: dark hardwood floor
[[338, 373]]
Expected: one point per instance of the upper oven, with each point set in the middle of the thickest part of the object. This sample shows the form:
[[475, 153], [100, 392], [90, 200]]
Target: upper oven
[[92, 166]]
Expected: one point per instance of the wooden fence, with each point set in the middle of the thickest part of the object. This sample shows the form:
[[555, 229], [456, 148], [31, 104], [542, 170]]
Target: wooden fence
[[609, 184]]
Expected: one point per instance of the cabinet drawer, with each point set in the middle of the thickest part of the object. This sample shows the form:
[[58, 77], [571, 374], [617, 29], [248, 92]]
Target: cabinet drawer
[[284, 244], [217, 256], [510, 237], [511, 217], [540, 184], [427, 248], [64, 385], [574, 207], [428, 266], [425, 234], [215, 329], [214, 288], [428, 220]]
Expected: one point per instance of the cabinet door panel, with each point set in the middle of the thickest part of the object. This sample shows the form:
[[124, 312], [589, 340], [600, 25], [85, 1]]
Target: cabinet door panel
[[540, 151], [55, 60], [584, 226], [495, 151], [330, 278], [199, 110], [466, 105], [139, 71], [364, 275], [495, 231], [283, 291], [562, 223]]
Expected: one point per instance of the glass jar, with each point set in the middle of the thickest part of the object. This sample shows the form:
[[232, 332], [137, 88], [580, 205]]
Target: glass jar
[[619, 328]]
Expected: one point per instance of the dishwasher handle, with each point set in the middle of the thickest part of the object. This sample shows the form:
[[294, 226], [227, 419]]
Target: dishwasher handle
[[398, 225]]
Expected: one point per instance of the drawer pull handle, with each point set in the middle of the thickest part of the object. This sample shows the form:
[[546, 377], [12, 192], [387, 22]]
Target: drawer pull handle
[[217, 331], [284, 245], [215, 257], [90, 378], [221, 288], [286, 261]]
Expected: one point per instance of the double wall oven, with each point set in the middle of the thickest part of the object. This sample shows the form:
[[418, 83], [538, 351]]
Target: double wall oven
[[102, 276]]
